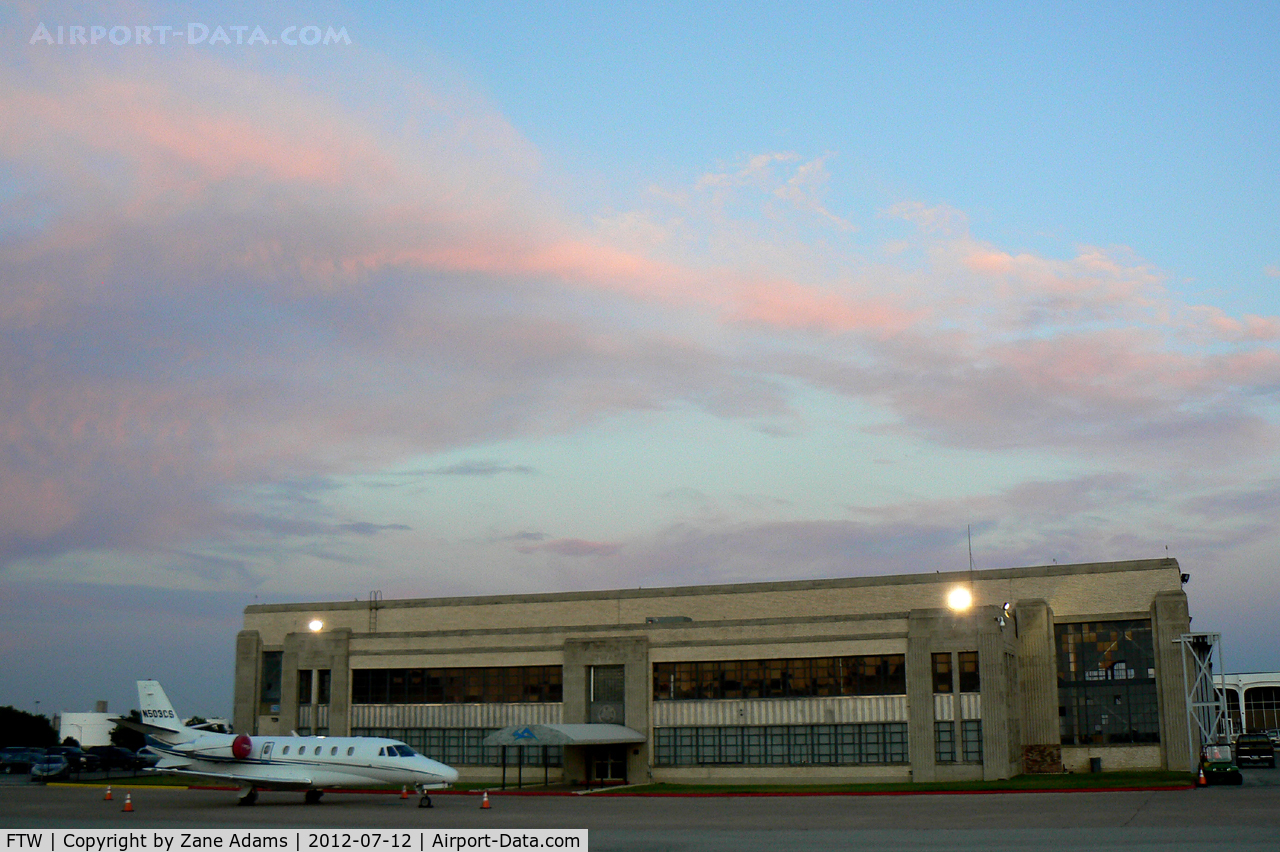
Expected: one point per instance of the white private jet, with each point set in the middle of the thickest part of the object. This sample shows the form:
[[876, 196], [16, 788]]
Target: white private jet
[[310, 764]]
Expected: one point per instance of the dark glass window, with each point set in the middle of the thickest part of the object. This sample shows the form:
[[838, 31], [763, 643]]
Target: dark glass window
[[304, 686], [508, 684], [942, 672], [272, 666], [322, 691], [803, 677], [1261, 708], [1107, 683], [969, 681]]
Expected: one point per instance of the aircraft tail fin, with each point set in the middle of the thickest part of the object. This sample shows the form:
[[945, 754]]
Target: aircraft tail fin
[[157, 712]]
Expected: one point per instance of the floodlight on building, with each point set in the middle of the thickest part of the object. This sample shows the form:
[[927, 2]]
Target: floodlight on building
[[959, 599], [316, 625]]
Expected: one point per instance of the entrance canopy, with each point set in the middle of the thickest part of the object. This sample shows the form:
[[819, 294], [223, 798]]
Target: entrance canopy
[[560, 735]]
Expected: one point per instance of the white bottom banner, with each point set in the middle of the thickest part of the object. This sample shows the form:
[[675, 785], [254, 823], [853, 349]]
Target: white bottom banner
[[294, 840]]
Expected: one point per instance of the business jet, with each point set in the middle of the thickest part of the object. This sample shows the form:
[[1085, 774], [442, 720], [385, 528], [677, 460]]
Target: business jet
[[308, 764]]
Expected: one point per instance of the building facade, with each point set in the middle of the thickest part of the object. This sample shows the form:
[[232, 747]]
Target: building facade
[[856, 679], [1252, 701]]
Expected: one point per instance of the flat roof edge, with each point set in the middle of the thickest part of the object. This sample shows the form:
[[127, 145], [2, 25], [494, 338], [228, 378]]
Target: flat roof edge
[[1165, 563]]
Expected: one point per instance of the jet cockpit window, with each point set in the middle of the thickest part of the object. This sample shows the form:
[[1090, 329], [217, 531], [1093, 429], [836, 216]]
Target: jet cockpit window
[[404, 751]]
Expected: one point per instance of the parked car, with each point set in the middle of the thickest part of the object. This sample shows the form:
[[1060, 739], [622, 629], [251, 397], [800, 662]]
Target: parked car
[[147, 757], [77, 758], [17, 760], [1255, 749], [114, 757], [1219, 765], [50, 767]]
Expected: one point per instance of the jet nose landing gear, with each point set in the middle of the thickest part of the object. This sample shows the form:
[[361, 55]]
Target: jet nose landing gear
[[425, 801]]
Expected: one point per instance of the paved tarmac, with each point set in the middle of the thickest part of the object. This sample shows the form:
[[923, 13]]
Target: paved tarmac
[[1227, 818]]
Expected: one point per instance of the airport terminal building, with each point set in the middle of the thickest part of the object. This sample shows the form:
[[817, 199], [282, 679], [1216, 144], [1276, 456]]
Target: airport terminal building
[[838, 680]]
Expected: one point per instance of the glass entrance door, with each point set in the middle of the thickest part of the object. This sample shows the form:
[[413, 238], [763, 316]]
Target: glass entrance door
[[608, 765]]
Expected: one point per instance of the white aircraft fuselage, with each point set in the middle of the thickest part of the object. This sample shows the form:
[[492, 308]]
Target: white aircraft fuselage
[[282, 763]]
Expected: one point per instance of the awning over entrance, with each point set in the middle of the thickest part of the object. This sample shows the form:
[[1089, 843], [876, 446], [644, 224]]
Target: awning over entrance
[[559, 735]]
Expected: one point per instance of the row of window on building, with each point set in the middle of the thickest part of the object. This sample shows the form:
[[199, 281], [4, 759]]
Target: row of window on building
[[469, 685], [800, 745], [465, 746], [781, 745], [1106, 681], [805, 677]]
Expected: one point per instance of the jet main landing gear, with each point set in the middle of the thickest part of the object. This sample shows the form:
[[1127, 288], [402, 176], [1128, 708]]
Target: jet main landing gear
[[312, 797], [248, 795]]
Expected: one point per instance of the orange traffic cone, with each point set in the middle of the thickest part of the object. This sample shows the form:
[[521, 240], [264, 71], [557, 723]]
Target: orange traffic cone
[[1201, 781], [484, 803], [107, 797], [128, 803], [404, 792]]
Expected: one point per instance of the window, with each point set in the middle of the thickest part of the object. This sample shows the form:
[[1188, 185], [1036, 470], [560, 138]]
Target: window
[[969, 680], [942, 672], [804, 677], [511, 684], [1261, 708], [286, 750], [351, 750], [270, 689], [304, 686], [333, 751], [782, 745], [322, 692], [459, 746], [944, 742], [1107, 683], [971, 740]]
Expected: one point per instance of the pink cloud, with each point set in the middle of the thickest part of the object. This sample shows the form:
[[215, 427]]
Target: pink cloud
[[574, 547]]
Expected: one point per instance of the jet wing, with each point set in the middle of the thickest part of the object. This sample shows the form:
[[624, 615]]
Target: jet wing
[[279, 782]]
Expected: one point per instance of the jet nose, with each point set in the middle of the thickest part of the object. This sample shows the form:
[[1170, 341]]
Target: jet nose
[[450, 774]]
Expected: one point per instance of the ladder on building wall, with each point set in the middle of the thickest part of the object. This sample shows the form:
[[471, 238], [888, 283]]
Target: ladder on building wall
[[375, 603]]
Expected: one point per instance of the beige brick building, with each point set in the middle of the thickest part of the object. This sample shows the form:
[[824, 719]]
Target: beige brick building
[[871, 678]]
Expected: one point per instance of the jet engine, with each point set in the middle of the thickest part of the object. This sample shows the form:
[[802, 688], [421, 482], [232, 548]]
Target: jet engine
[[221, 747]]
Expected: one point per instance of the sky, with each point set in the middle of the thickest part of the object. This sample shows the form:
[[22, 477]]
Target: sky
[[426, 299]]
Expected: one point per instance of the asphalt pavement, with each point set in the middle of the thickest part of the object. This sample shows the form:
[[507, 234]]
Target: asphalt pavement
[[1228, 818]]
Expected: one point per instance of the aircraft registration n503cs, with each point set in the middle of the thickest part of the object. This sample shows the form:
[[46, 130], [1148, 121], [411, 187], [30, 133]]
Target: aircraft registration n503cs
[[308, 764]]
